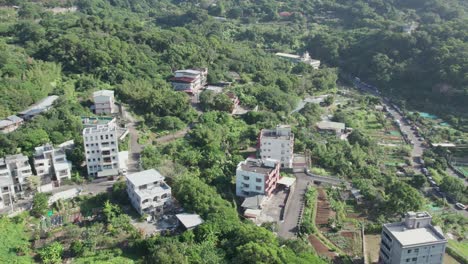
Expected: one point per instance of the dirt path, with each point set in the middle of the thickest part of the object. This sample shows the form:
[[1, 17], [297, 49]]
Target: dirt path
[[173, 136], [320, 248], [324, 212]]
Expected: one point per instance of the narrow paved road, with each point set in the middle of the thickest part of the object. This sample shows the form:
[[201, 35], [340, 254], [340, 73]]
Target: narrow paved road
[[417, 149], [288, 228], [133, 163]]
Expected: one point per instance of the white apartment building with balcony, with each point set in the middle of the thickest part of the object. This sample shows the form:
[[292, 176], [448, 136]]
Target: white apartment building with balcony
[[148, 192], [7, 188], [277, 144], [255, 176], [20, 170], [101, 145], [52, 163], [104, 102], [413, 241]]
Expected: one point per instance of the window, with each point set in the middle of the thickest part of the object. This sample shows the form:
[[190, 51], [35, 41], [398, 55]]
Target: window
[[409, 250], [407, 260], [258, 180], [414, 259], [246, 178], [258, 188], [416, 250]]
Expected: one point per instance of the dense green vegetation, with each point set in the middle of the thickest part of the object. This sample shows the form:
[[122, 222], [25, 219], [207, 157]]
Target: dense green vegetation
[[132, 47], [14, 243]]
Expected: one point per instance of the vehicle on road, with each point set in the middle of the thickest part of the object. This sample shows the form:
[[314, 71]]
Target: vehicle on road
[[460, 206], [425, 171]]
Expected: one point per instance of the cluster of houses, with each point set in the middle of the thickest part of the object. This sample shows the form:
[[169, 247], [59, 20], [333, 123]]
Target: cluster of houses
[[50, 166], [13, 122], [258, 178]]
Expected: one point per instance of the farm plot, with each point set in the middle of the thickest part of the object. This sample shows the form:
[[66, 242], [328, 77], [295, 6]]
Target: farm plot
[[334, 225], [324, 211], [372, 247]]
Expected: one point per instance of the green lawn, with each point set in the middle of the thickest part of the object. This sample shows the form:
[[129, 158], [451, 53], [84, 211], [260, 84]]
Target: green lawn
[[13, 239], [460, 247]]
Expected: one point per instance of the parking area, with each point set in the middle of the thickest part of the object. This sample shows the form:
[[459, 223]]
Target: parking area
[[273, 207]]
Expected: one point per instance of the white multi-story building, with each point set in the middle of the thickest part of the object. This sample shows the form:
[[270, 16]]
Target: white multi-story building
[[413, 241], [104, 102], [20, 170], [277, 144], [6, 185], [101, 145], [148, 192], [51, 163], [255, 176]]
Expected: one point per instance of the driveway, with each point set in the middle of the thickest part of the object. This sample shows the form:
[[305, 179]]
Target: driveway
[[288, 228], [133, 163]]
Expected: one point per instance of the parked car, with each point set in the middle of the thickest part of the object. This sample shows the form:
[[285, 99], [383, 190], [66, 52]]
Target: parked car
[[433, 183], [460, 206]]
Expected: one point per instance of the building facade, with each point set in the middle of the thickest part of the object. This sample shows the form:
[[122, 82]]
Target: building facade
[[103, 102], [148, 192], [10, 124], [305, 58], [50, 162], [336, 128], [20, 170], [190, 81], [412, 241], [101, 144], [6, 185], [277, 144], [255, 176]]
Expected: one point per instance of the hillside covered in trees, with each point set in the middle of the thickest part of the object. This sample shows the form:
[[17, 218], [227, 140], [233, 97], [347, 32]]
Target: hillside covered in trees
[[415, 51]]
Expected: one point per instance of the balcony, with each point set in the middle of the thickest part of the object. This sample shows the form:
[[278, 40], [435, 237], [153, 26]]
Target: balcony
[[63, 173]]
